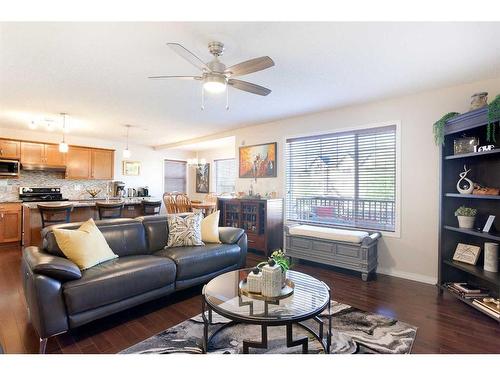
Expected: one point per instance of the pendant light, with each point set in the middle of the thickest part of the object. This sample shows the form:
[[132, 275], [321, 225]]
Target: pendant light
[[63, 146], [126, 152]]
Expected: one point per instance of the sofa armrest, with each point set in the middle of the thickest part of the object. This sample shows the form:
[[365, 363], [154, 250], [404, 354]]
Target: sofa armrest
[[58, 268], [229, 235]]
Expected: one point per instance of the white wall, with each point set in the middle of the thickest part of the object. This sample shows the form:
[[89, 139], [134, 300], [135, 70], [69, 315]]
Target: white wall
[[151, 160], [414, 254]]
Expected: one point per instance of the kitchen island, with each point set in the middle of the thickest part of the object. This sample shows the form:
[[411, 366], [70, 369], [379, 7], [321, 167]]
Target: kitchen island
[[82, 211]]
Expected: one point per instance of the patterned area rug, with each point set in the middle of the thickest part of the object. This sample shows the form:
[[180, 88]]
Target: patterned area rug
[[353, 332]]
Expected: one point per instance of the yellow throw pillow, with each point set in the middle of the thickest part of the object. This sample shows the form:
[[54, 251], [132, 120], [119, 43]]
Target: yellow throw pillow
[[85, 246], [210, 228]]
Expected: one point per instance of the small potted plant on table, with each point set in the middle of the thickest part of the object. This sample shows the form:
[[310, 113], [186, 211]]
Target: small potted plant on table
[[466, 217]]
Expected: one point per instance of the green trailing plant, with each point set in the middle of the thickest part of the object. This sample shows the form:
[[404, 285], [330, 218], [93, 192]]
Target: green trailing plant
[[465, 211], [279, 257], [438, 127], [493, 116]]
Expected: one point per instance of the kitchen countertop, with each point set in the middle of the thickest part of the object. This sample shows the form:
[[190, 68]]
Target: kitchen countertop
[[92, 202]]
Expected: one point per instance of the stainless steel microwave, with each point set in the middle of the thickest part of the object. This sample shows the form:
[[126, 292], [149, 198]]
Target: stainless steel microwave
[[9, 168]]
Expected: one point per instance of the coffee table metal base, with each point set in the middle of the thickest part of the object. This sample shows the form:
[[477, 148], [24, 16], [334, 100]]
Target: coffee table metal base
[[263, 344]]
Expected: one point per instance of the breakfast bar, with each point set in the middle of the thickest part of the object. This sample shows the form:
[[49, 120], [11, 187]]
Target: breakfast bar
[[82, 210]]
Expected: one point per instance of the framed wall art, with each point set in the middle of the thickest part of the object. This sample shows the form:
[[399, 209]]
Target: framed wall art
[[131, 168], [258, 161], [203, 178]]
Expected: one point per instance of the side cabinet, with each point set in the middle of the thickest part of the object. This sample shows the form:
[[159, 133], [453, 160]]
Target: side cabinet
[[262, 220]]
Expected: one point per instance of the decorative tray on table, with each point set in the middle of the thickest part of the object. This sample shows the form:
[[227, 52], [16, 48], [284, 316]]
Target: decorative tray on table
[[286, 291]]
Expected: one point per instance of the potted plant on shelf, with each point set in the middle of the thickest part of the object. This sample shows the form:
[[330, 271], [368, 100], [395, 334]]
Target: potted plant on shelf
[[466, 217]]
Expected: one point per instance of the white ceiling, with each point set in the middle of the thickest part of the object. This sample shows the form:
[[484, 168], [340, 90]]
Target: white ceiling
[[97, 71]]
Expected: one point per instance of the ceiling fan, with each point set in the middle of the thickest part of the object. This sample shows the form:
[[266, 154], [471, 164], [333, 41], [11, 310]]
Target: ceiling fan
[[215, 76]]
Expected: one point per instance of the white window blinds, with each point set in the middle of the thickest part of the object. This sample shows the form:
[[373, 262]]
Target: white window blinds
[[225, 176], [175, 176], [343, 179]]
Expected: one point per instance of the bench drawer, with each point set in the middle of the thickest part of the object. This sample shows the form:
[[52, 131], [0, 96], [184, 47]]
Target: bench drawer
[[348, 251]]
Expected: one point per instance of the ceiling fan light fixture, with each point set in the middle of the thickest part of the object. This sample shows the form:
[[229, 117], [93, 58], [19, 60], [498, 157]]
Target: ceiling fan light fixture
[[214, 84]]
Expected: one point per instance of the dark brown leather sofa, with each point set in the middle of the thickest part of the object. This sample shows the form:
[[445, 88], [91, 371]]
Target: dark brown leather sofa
[[61, 297]]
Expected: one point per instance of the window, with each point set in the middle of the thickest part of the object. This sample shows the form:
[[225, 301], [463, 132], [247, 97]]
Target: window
[[225, 176], [175, 176], [343, 179]]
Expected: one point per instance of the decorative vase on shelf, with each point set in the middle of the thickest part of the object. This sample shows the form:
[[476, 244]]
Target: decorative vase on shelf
[[464, 185], [466, 222], [491, 256]]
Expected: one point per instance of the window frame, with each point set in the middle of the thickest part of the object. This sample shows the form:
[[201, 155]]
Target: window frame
[[397, 123], [216, 173]]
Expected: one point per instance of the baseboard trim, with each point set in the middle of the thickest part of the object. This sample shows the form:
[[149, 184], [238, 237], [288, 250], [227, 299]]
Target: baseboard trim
[[408, 275]]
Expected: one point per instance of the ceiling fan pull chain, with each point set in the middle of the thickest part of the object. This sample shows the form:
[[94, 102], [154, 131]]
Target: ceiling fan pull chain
[[227, 98], [202, 98]]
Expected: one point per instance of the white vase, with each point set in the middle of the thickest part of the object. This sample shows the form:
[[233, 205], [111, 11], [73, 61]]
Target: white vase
[[491, 256], [466, 222]]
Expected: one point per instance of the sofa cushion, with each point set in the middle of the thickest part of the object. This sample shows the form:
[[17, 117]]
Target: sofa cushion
[[116, 280], [194, 261], [332, 234], [85, 246], [124, 236], [184, 231]]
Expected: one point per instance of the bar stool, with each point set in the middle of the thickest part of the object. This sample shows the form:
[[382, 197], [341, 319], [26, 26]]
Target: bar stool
[[151, 207], [55, 214], [109, 210]]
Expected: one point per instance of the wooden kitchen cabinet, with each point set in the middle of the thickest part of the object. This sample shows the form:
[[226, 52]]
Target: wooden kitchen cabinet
[[10, 149], [10, 222], [79, 163], [32, 153], [41, 154], [102, 164], [53, 156]]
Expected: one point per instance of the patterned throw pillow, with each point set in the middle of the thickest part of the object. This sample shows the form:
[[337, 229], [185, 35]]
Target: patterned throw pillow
[[184, 230]]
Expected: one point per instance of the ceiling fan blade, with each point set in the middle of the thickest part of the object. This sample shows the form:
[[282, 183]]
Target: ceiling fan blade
[[189, 56], [179, 77], [249, 87], [250, 66]]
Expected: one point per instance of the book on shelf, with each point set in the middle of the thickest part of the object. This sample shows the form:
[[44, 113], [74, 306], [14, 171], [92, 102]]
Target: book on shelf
[[490, 308], [466, 288], [477, 292]]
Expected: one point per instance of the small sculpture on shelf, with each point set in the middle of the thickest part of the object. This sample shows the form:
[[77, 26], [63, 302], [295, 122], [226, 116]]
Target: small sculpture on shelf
[[478, 100], [465, 185]]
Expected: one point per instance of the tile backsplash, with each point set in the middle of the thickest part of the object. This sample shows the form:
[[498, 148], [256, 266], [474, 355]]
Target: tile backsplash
[[71, 189]]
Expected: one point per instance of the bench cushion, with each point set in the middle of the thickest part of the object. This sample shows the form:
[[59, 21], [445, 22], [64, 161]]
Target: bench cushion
[[333, 234]]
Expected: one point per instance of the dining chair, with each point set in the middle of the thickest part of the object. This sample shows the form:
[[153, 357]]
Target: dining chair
[[183, 203], [210, 198], [169, 201]]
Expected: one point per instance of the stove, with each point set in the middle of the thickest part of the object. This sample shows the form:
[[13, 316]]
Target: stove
[[40, 194]]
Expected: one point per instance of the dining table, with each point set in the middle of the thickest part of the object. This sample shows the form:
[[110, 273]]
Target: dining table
[[205, 207]]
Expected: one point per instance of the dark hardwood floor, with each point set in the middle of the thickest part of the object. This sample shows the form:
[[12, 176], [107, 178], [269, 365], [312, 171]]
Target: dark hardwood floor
[[445, 325]]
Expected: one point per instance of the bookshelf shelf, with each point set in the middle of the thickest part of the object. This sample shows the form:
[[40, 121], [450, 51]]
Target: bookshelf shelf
[[465, 300], [472, 154], [472, 232], [472, 196], [492, 277]]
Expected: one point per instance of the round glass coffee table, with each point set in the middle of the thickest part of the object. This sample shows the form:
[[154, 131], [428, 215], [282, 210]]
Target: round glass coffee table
[[310, 298]]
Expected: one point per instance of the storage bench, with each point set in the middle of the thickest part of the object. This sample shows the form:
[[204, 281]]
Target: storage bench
[[350, 249]]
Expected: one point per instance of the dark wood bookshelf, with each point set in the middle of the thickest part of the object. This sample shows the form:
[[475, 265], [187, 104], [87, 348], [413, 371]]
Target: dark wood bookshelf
[[484, 168], [262, 220]]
